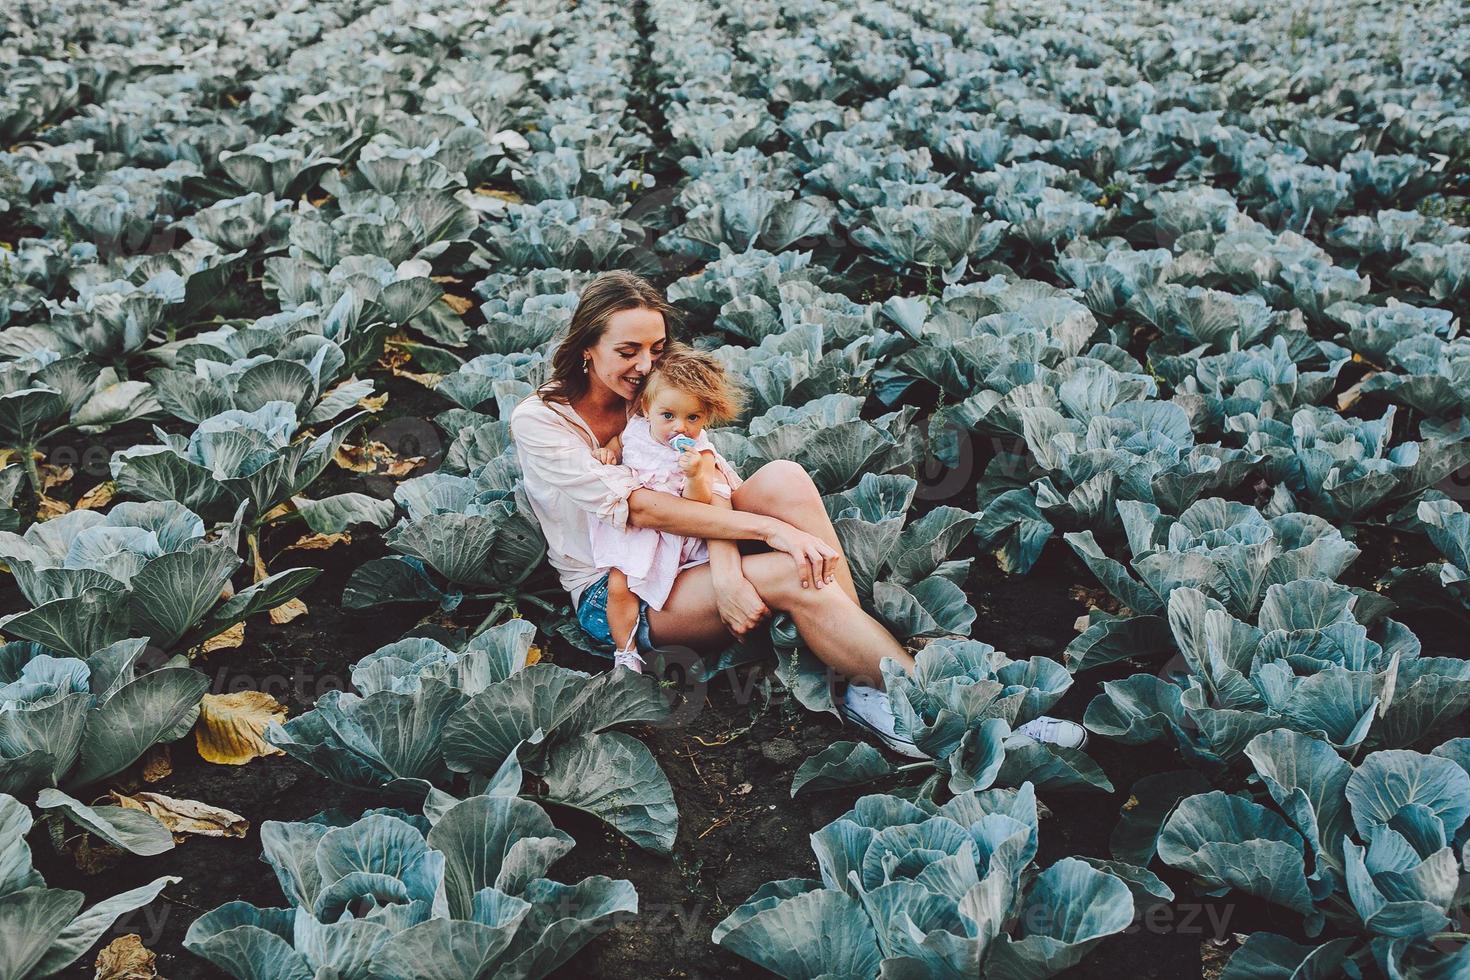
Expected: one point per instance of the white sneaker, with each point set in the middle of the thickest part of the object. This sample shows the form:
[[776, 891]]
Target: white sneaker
[[629, 659], [1056, 731], [868, 707]]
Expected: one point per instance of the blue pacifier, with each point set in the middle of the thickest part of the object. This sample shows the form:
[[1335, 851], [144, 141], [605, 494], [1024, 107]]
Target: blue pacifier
[[681, 443]]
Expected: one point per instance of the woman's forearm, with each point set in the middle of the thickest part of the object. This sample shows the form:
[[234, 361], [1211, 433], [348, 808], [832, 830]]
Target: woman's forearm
[[724, 556], [666, 512]]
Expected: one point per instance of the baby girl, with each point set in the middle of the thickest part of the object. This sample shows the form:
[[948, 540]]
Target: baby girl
[[666, 445]]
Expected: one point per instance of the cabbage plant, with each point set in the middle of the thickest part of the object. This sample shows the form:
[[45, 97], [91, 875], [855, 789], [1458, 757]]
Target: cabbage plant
[[1279, 377], [1444, 583], [960, 708], [906, 891], [829, 438], [427, 716], [1372, 851], [142, 568], [231, 368], [475, 531], [1229, 551], [461, 892], [902, 569], [1427, 374], [1125, 450], [1344, 467], [45, 930], [1442, 269], [43, 395], [248, 462], [75, 722], [1318, 659]]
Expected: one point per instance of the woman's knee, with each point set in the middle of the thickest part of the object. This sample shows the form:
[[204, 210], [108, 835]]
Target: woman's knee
[[782, 483], [775, 579]]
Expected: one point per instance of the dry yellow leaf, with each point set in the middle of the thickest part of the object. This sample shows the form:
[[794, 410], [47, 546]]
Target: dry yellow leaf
[[185, 817], [47, 508], [52, 475], [510, 197], [126, 958], [158, 763], [458, 304], [288, 611], [230, 727], [393, 358], [428, 379], [376, 458], [533, 656], [441, 280], [228, 640], [279, 510], [318, 542], [1349, 398], [98, 497], [373, 403], [358, 459], [92, 856]]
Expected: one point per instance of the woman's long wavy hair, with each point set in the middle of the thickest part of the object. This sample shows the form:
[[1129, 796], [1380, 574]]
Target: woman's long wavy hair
[[605, 295]]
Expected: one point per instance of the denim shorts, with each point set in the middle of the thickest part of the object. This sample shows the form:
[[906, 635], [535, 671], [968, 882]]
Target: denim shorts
[[592, 614]]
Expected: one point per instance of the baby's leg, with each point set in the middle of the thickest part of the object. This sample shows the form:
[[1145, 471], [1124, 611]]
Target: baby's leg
[[622, 611]]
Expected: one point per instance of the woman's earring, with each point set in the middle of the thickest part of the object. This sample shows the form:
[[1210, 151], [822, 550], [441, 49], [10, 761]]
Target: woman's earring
[[586, 365]]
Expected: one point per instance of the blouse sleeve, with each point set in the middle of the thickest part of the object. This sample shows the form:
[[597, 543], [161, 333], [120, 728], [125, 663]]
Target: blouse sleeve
[[555, 458]]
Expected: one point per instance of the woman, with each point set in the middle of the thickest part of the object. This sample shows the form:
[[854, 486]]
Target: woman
[[618, 331]]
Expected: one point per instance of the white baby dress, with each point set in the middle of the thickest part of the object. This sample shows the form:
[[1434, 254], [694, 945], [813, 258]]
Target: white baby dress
[[652, 559]]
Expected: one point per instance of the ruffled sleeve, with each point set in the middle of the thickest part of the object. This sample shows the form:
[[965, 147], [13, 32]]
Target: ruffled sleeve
[[556, 458]]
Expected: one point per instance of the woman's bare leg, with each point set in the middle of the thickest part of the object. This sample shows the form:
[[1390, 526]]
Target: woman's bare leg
[[622, 609], [833, 626], [783, 490]]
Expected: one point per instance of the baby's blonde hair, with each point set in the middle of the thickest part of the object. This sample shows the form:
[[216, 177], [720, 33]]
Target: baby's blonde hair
[[699, 374]]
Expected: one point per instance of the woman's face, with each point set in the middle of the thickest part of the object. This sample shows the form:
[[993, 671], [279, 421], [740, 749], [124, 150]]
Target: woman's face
[[621, 360]]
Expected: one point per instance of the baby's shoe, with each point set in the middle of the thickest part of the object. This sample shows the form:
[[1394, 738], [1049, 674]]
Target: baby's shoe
[[628, 658]]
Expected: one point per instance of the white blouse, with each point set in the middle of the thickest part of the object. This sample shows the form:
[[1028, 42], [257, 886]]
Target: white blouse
[[567, 487]]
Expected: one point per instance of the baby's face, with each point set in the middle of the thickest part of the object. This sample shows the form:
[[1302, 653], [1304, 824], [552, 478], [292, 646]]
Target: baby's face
[[672, 412]]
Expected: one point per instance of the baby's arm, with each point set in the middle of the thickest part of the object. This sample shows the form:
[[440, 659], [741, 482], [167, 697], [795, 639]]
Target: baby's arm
[[612, 453], [699, 475]]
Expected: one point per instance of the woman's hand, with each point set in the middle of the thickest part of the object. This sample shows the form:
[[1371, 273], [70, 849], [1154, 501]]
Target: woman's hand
[[739, 604], [607, 456], [815, 559]]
